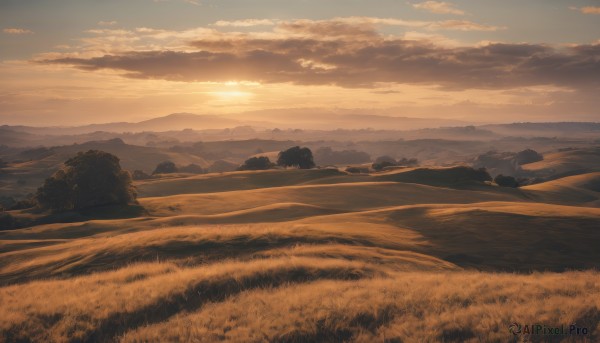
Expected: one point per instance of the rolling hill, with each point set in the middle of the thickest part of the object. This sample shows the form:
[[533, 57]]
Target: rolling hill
[[409, 255]]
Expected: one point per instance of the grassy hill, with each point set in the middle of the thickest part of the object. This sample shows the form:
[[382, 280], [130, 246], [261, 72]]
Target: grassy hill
[[567, 162], [414, 255]]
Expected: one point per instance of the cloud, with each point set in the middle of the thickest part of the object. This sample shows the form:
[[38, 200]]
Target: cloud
[[350, 54], [107, 23], [245, 23], [461, 25], [193, 2], [16, 31], [347, 52], [438, 7], [591, 10]]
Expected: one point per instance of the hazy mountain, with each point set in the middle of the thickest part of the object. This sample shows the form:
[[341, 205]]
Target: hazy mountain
[[559, 129], [302, 119]]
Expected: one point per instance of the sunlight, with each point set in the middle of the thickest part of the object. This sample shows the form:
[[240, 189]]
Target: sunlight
[[231, 95]]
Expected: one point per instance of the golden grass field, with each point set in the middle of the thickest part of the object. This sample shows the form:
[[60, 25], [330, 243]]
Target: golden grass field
[[312, 256]]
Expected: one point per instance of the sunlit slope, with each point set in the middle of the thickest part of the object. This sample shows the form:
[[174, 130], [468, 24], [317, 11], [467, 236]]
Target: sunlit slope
[[456, 177], [231, 181], [569, 162], [584, 189], [337, 197], [305, 256], [487, 236]]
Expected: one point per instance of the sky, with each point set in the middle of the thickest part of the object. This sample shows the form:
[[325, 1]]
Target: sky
[[75, 62]]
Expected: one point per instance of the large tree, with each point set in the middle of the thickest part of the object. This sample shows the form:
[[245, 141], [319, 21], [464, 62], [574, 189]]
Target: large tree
[[90, 179], [296, 157]]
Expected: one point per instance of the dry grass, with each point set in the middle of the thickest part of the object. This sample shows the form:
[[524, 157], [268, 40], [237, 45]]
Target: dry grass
[[101, 306], [407, 307], [347, 261]]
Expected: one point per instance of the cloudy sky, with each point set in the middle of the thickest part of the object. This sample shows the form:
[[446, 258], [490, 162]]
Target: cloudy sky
[[67, 62]]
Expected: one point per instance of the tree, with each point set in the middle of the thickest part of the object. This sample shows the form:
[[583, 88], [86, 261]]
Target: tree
[[385, 158], [380, 166], [90, 179], [166, 167], [506, 181], [140, 175], [528, 156], [257, 163], [296, 157]]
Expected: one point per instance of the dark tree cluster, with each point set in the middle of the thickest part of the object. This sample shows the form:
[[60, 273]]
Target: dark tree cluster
[[166, 167], [528, 156], [140, 175], [90, 179], [506, 181], [296, 157], [257, 163]]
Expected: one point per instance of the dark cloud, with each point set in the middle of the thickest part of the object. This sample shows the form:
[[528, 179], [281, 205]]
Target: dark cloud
[[354, 55]]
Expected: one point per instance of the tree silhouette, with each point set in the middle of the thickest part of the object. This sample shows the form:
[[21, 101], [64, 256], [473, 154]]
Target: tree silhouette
[[257, 163], [140, 175], [90, 179], [506, 181], [296, 157], [166, 167], [528, 156]]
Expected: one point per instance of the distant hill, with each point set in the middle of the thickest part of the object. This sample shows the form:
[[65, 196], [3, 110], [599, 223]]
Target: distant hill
[[561, 129], [566, 162], [175, 121], [34, 165], [280, 119]]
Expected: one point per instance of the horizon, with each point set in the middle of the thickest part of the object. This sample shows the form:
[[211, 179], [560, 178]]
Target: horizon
[[83, 62], [241, 123]]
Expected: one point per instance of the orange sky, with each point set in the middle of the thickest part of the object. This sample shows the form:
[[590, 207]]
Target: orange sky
[[429, 59]]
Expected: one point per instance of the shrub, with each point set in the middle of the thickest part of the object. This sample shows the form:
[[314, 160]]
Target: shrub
[[296, 157], [90, 179], [381, 165], [506, 181], [385, 158], [166, 167], [24, 204], [528, 156], [7, 221], [140, 175], [257, 163]]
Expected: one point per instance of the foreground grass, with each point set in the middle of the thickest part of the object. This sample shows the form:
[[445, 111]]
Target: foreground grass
[[100, 306], [406, 307], [295, 299]]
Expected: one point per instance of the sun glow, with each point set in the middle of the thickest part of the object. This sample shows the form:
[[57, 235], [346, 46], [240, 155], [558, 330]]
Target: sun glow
[[231, 95]]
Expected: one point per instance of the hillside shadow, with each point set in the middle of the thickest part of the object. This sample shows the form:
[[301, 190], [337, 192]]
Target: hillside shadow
[[509, 242]]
